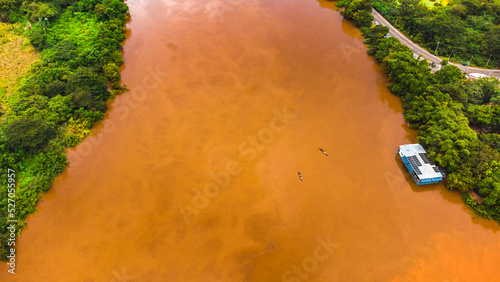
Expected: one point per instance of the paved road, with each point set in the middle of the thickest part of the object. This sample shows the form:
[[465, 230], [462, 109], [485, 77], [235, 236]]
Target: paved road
[[417, 50]]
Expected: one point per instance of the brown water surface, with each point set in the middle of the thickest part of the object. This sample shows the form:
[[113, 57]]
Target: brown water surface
[[193, 176]]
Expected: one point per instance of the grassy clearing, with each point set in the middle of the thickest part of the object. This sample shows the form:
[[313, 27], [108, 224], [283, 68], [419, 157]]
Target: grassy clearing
[[430, 3], [16, 57]]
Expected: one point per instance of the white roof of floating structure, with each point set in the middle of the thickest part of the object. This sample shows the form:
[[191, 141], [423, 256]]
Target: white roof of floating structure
[[417, 157]]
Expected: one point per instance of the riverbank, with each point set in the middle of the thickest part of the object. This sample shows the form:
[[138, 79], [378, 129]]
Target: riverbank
[[53, 97], [433, 107]]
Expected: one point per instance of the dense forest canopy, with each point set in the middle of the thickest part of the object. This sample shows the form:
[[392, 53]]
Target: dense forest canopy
[[57, 103], [463, 28]]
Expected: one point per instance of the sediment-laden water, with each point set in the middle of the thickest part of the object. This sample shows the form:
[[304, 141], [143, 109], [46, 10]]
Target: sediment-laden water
[[193, 175]]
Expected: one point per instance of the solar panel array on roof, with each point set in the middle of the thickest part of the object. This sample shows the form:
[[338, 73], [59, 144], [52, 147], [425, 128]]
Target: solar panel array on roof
[[414, 163], [421, 167], [424, 158], [415, 159]]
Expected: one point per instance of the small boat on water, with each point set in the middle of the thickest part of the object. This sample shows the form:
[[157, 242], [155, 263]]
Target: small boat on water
[[300, 175], [323, 151]]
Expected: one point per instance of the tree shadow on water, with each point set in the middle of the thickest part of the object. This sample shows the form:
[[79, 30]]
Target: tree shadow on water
[[328, 4], [452, 197]]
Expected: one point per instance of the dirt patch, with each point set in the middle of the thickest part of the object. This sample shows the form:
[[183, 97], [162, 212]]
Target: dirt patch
[[478, 198], [16, 57]]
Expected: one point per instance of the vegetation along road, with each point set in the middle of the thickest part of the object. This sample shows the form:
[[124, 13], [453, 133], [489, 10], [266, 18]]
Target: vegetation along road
[[417, 50]]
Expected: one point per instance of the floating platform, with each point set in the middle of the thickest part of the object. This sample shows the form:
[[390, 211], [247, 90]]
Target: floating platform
[[422, 170]]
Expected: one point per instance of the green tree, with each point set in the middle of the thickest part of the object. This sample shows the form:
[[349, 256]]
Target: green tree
[[494, 195], [456, 90], [489, 86], [28, 133], [82, 99], [375, 34], [39, 11], [37, 37], [449, 74], [491, 139], [475, 94], [358, 11], [89, 80], [60, 109], [111, 72], [7, 7], [54, 88]]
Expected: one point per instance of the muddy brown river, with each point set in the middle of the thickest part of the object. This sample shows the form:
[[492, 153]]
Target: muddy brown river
[[193, 174]]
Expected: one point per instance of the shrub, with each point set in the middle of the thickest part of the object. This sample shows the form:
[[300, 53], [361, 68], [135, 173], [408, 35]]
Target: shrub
[[28, 133]]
